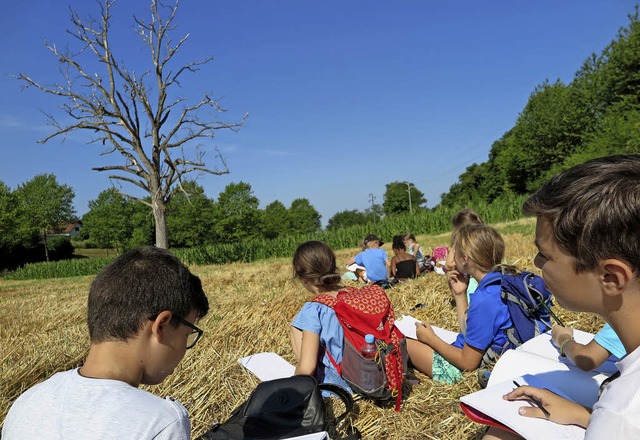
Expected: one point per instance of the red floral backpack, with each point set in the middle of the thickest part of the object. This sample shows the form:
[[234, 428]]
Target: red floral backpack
[[368, 311]]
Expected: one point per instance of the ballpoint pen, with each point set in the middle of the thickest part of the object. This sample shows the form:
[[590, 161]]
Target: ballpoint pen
[[535, 401]]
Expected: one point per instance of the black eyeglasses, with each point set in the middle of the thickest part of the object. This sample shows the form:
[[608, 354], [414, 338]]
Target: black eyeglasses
[[193, 337]]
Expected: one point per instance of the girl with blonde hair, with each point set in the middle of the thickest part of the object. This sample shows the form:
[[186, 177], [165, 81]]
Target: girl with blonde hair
[[479, 249]]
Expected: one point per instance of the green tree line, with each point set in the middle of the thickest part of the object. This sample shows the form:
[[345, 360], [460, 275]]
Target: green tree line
[[596, 114]]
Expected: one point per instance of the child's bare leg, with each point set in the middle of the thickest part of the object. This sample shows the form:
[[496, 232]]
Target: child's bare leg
[[421, 356]]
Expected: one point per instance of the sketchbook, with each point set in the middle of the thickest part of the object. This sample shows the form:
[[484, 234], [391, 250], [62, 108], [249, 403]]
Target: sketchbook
[[407, 326], [353, 267], [268, 366], [534, 363]]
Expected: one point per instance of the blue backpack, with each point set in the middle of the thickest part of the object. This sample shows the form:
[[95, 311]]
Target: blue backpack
[[529, 304]]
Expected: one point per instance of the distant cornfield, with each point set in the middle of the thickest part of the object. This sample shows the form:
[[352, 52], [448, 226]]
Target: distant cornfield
[[429, 222], [59, 269]]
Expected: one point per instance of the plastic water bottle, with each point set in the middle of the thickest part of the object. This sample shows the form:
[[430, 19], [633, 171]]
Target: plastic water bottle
[[369, 349]]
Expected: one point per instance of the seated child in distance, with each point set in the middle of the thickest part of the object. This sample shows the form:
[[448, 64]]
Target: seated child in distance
[[373, 258], [403, 265], [142, 311], [413, 248]]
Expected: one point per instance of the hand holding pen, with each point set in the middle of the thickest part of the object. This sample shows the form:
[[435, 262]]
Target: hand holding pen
[[550, 406], [535, 402]]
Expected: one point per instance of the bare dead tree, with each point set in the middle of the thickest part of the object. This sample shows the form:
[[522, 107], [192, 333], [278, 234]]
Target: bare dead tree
[[129, 114]]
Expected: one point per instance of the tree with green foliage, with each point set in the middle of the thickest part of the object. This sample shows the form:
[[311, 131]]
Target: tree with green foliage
[[597, 114], [43, 204], [374, 213], [190, 216], [108, 221], [402, 197], [155, 134], [303, 217], [142, 224], [347, 218], [275, 220], [8, 220], [235, 215]]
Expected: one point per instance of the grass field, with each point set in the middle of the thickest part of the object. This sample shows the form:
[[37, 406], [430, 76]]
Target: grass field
[[42, 330]]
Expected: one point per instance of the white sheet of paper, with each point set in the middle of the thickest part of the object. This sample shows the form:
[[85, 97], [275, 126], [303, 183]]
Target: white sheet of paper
[[267, 366], [407, 325], [542, 345], [579, 386], [354, 266], [315, 436], [490, 402]]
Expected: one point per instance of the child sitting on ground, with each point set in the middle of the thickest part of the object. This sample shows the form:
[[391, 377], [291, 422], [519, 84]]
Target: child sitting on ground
[[413, 248], [460, 283], [588, 236], [316, 330], [373, 258], [403, 265], [479, 249], [141, 315]]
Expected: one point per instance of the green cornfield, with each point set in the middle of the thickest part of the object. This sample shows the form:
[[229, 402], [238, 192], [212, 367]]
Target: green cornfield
[[59, 269]]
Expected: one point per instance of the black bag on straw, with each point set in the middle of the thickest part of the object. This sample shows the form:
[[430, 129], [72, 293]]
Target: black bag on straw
[[283, 408]]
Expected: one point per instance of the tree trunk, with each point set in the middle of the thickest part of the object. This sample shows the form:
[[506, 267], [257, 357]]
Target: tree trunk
[[46, 245], [161, 224]]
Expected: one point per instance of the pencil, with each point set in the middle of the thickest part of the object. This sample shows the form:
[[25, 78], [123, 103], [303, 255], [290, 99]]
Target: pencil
[[535, 401]]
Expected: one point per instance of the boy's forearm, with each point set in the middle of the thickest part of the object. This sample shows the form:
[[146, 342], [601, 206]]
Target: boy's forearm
[[586, 357]]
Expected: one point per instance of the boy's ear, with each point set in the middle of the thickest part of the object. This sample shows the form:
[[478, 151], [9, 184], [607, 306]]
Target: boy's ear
[[615, 276], [160, 323]]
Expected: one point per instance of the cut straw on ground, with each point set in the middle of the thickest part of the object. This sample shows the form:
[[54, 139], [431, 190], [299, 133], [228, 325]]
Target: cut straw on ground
[[42, 330]]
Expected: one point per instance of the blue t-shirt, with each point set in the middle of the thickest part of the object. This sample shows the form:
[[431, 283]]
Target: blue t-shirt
[[609, 340], [373, 260], [322, 320], [487, 317]]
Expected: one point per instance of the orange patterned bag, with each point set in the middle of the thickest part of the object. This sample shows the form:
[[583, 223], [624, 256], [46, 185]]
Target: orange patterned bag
[[368, 311]]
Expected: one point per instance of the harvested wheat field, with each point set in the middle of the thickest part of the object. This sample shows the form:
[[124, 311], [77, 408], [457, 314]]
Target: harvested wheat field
[[42, 331]]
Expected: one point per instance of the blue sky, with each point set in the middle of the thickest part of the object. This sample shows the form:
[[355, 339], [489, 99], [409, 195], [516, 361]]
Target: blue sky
[[343, 96]]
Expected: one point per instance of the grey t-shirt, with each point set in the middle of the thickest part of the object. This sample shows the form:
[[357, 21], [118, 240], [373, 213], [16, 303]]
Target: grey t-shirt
[[70, 406]]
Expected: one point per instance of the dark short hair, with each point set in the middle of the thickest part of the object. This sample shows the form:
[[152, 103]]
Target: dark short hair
[[136, 286], [315, 261], [398, 243], [594, 210]]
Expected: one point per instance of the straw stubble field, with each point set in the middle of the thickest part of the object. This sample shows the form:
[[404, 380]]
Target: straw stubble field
[[42, 331]]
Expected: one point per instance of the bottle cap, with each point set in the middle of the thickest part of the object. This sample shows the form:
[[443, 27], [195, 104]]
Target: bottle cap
[[369, 339]]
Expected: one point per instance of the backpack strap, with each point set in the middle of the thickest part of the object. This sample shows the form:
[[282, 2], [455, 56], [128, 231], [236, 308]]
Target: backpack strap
[[342, 394], [347, 400], [329, 301], [326, 299]]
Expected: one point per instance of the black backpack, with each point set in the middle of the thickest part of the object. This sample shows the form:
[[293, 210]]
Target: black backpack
[[283, 408]]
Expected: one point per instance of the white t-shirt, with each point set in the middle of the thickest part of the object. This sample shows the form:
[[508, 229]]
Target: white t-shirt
[[69, 406], [616, 415]]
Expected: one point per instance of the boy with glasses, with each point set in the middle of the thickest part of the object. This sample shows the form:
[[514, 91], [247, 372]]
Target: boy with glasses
[[141, 313]]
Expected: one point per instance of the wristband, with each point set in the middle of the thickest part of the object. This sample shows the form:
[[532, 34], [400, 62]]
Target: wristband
[[562, 346]]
